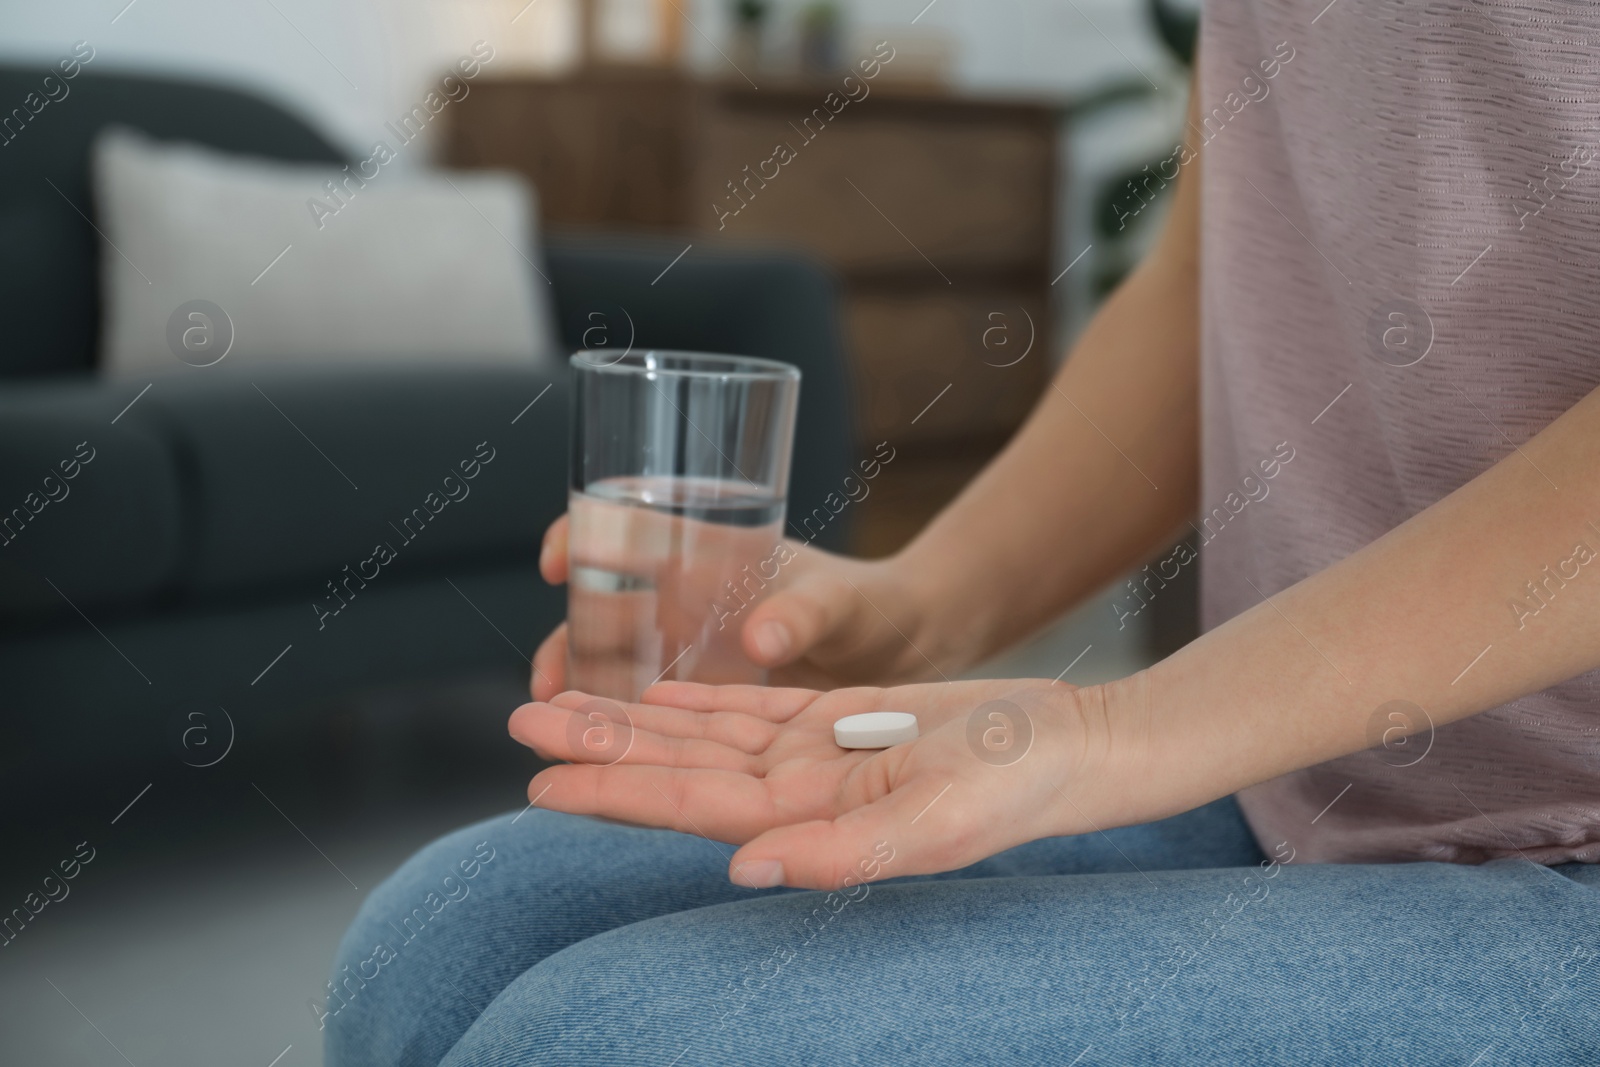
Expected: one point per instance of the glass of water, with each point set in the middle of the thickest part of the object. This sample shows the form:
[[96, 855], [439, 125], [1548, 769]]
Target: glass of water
[[680, 474]]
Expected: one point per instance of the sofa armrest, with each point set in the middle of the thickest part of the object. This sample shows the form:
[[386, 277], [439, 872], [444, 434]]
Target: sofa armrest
[[297, 474], [611, 291], [89, 502]]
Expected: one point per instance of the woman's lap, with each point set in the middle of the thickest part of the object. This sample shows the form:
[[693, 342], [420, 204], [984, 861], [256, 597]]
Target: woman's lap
[[604, 944]]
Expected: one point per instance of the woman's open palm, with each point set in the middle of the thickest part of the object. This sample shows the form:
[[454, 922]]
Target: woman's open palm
[[758, 767]]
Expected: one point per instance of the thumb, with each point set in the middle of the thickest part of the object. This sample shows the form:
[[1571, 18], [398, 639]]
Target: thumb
[[787, 624], [879, 840]]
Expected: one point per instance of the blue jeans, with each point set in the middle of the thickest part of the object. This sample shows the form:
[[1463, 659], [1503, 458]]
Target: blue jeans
[[551, 939]]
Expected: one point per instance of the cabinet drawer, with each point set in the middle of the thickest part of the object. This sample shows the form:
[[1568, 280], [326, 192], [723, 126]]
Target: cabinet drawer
[[946, 197], [602, 151]]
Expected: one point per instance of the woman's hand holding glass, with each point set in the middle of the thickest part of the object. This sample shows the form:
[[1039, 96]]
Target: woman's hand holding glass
[[823, 622]]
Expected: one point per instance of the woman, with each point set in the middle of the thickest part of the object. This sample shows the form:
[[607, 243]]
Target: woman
[[1361, 362]]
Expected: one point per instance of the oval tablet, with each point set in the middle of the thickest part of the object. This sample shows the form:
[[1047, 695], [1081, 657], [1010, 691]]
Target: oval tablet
[[875, 729]]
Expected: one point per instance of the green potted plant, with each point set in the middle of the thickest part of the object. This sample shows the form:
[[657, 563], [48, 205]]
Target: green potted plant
[[749, 31], [821, 37]]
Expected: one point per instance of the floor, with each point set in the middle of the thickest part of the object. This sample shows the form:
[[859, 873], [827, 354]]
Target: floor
[[204, 924]]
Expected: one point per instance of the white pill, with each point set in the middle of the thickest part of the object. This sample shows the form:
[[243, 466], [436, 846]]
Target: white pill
[[875, 729]]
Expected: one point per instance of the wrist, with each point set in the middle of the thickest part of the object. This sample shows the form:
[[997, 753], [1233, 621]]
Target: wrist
[[1131, 765], [951, 626]]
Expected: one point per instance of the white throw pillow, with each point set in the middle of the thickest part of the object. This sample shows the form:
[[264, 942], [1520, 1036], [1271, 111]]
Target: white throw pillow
[[216, 256]]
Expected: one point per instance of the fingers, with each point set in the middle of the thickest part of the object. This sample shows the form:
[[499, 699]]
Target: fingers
[[611, 624], [774, 705], [902, 833], [792, 620], [718, 805], [608, 739], [743, 732], [550, 665], [770, 704], [553, 552]]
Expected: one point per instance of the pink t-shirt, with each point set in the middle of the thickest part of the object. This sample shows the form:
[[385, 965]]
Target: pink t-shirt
[[1401, 283]]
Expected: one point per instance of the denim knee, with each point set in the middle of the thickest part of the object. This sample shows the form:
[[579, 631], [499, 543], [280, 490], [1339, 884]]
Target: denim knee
[[463, 918], [709, 985], [380, 1001], [600, 1003]]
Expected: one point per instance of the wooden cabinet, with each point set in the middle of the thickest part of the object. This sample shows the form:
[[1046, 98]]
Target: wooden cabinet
[[934, 210], [932, 188], [602, 151], [908, 347]]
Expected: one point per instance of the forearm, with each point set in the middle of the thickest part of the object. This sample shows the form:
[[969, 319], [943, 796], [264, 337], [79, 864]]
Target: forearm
[[1101, 474], [1437, 612]]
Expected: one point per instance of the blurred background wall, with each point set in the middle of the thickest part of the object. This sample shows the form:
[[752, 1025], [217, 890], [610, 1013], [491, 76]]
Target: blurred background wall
[[354, 65]]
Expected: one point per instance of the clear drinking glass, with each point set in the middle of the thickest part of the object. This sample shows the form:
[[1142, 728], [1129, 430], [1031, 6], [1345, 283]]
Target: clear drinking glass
[[680, 475]]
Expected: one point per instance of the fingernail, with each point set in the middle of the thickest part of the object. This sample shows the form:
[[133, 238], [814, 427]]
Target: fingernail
[[772, 640], [760, 874]]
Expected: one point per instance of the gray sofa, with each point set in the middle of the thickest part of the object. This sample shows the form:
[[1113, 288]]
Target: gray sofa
[[181, 566]]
